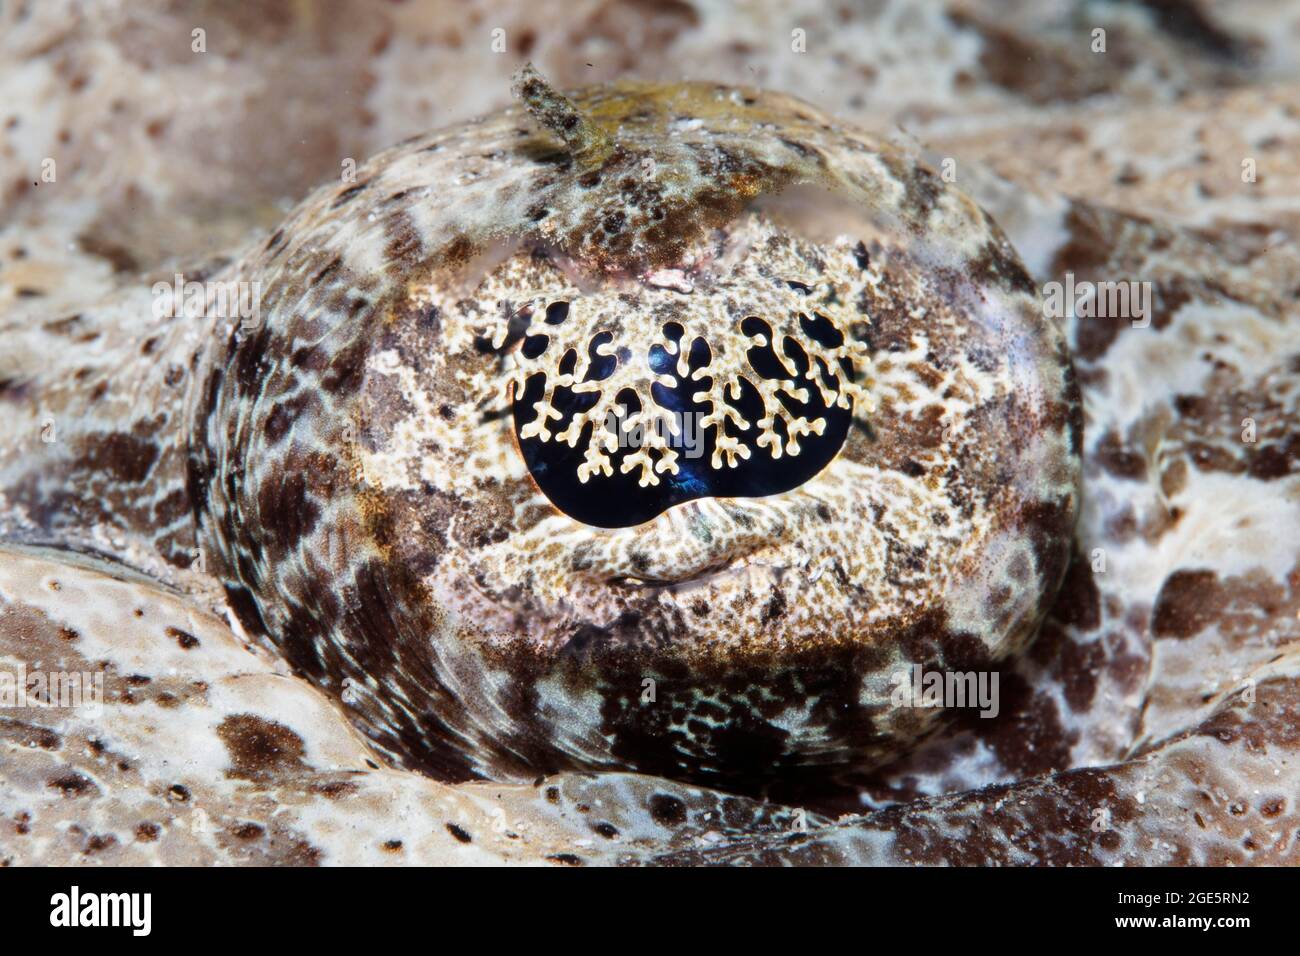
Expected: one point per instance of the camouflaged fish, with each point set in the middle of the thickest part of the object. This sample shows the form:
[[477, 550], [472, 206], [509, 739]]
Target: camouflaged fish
[[601, 481]]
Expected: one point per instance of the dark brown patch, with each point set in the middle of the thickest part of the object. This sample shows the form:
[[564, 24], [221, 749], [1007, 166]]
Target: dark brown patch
[[99, 842], [1028, 735], [405, 247], [1040, 70], [997, 265], [118, 256], [284, 414], [1078, 603], [346, 370], [185, 639], [29, 735], [1273, 461], [667, 810], [73, 784], [147, 832], [245, 607], [261, 749], [1188, 21], [334, 789], [1188, 601], [124, 456], [327, 271], [347, 195], [1118, 459], [287, 512], [775, 608]]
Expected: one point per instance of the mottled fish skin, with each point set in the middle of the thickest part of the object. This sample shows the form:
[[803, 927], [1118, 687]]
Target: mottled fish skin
[[354, 464], [1154, 720], [208, 750]]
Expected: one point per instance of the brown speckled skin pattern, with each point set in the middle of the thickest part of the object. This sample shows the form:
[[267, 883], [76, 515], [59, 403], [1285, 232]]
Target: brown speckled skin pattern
[[338, 621], [483, 632]]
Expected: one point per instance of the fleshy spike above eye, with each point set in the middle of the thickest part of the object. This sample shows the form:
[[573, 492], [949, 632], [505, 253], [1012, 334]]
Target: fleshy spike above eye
[[665, 441], [584, 138]]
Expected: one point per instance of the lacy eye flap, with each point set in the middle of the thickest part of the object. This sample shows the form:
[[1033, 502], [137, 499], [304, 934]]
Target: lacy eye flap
[[733, 386]]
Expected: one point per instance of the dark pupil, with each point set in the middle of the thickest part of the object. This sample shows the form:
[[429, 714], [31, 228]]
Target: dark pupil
[[618, 501]]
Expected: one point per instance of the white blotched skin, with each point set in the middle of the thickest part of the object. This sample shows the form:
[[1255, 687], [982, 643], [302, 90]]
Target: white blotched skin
[[1155, 720]]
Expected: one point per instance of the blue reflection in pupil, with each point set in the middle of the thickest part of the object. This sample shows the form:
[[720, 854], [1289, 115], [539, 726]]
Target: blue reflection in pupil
[[661, 361], [618, 501]]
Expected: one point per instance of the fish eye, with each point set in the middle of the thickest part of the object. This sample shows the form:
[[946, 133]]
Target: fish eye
[[617, 427], [669, 467]]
